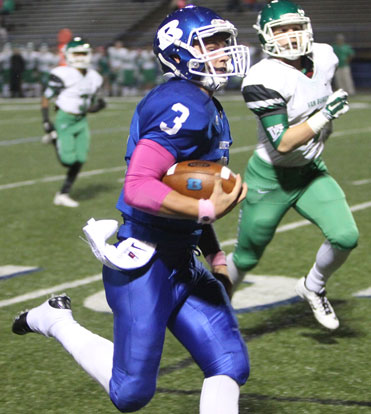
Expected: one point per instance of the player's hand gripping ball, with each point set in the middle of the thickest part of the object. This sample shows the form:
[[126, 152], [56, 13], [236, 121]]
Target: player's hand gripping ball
[[196, 178]]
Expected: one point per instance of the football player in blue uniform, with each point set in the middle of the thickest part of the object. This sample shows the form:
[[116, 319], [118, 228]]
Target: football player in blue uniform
[[152, 276]]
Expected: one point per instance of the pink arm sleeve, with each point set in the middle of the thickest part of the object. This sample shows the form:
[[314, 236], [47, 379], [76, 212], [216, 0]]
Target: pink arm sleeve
[[143, 187]]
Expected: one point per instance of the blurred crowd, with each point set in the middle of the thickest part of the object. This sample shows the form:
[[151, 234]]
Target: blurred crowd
[[24, 69]]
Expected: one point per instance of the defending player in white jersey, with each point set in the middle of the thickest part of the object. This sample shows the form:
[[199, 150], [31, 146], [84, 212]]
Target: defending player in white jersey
[[290, 94], [75, 88]]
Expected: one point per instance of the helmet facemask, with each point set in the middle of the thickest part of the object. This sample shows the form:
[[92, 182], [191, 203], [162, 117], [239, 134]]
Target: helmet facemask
[[78, 54], [289, 45], [237, 58]]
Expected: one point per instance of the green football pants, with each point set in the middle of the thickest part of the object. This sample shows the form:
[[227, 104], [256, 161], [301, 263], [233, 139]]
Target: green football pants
[[73, 137], [272, 191]]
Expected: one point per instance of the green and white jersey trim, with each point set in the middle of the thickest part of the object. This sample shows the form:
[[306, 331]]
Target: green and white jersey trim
[[282, 96]]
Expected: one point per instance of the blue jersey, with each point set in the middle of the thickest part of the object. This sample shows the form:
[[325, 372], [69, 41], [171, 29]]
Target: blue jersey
[[191, 126]]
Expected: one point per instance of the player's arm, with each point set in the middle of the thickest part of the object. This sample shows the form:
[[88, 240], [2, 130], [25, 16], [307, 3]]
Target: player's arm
[[271, 109], [54, 87], [215, 256], [97, 103], [144, 190], [288, 138], [47, 124]]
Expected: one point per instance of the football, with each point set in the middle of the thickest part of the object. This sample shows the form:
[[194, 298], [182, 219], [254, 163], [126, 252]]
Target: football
[[196, 178]]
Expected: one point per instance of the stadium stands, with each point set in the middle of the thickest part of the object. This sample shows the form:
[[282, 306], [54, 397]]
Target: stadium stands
[[99, 20], [135, 21], [102, 21]]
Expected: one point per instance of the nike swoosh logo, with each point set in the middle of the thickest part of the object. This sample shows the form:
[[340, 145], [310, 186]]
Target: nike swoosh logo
[[264, 191], [137, 247]]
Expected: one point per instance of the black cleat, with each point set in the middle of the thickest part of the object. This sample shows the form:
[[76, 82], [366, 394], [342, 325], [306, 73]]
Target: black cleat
[[20, 325]]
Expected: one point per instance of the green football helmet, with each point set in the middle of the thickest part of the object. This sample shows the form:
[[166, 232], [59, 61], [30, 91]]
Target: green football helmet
[[286, 44], [78, 53]]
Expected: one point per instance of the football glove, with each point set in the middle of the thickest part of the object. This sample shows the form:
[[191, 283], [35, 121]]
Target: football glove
[[98, 105], [226, 281], [336, 105], [48, 127]]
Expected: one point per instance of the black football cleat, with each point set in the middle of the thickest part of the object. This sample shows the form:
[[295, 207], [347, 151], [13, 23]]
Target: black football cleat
[[20, 325]]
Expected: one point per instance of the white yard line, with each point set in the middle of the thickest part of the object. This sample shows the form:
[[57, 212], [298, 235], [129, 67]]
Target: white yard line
[[233, 150], [26, 140], [54, 289], [60, 177], [37, 139], [361, 182]]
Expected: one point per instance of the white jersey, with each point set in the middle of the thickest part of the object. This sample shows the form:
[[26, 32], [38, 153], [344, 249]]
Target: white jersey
[[129, 60], [116, 56], [274, 85], [30, 57], [147, 60], [73, 89]]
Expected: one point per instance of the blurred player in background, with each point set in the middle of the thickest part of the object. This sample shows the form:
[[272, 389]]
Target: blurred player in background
[[157, 281], [30, 81], [149, 69], [75, 88], [5, 58], [290, 94], [46, 61], [343, 75], [116, 56]]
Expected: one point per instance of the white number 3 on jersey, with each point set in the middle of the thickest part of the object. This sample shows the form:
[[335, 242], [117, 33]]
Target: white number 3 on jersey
[[178, 120]]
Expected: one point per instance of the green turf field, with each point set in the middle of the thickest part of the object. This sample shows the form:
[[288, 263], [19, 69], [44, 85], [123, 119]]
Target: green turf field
[[296, 366]]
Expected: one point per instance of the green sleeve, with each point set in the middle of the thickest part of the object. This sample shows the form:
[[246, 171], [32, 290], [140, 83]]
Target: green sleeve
[[54, 86], [270, 107], [275, 126]]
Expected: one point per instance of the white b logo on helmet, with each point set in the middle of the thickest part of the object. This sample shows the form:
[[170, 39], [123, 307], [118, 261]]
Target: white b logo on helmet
[[168, 34]]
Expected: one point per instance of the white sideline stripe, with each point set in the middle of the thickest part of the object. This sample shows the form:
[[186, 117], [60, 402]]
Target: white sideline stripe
[[363, 293], [17, 141], [361, 182], [52, 290], [241, 149], [231, 118], [105, 170], [300, 223], [60, 177], [69, 285]]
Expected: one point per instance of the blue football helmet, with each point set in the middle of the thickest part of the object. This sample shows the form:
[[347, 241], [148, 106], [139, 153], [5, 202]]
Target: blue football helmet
[[173, 46]]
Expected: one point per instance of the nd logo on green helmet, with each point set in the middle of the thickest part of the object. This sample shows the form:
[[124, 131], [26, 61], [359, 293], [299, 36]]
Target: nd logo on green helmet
[[296, 37]]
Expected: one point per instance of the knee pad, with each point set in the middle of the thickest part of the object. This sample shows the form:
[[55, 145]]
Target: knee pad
[[132, 394], [67, 160], [345, 239], [245, 261], [235, 365]]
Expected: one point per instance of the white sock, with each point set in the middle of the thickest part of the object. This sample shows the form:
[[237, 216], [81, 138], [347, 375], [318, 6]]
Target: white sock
[[235, 274], [219, 395], [92, 352], [328, 260]]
